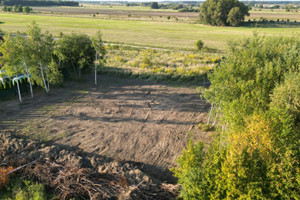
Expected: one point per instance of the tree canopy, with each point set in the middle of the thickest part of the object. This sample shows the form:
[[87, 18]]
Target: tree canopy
[[223, 12], [76, 53], [154, 5], [256, 154]]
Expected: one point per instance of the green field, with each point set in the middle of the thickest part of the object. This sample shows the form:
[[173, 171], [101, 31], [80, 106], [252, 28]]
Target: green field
[[151, 33]]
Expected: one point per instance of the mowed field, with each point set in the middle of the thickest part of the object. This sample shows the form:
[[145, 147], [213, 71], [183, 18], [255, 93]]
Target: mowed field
[[155, 31]]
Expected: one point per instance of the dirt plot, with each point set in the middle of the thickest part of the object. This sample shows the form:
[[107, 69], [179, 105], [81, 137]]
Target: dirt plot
[[78, 10], [128, 120]]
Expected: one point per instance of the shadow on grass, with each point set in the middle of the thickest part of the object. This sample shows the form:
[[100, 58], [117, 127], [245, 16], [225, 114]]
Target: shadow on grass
[[271, 24], [173, 79]]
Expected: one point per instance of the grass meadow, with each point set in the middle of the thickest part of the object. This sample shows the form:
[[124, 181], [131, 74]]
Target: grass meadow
[[169, 34]]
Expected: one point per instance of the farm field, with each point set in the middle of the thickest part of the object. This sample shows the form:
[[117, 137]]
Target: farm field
[[166, 34]]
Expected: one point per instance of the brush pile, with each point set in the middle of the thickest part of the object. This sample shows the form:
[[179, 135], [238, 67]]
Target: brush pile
[[70, 173]]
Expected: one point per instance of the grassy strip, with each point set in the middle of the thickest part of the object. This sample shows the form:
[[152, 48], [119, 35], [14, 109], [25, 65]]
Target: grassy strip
[[158, 65]]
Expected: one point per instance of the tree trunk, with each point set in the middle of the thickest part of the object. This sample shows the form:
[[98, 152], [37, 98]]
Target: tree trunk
[[19, 92], [42, 72], [210, 113], [79, 74], [96, 69], [48, 84], [29, 79]]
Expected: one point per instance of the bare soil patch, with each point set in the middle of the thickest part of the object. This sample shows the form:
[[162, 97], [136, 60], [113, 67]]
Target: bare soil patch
[[123, 119]]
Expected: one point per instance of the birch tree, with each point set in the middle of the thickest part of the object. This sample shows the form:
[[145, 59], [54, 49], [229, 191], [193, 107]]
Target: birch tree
[[40, 48], [16, 58], [100, 51]]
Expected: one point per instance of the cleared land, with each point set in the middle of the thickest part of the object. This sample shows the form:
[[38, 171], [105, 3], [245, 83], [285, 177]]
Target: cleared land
[[169, 34], [124, 119]]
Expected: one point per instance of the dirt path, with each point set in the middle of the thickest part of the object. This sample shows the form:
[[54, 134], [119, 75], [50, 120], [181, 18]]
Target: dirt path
[[123, 119]]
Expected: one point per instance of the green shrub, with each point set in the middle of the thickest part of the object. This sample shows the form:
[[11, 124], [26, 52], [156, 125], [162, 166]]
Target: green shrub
[[199, 44], [76, 53], [244, 82], [24, 190], [188, 170], [256, 155]]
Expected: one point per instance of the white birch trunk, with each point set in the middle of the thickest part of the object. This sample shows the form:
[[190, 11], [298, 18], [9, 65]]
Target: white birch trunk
[[96, 69], [48, 84], [30, 84], [19, 92], [42, 72], [209, 115]]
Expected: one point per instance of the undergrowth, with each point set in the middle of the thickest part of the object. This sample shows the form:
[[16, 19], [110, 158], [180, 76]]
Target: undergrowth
[[17, 189], [159, 65]]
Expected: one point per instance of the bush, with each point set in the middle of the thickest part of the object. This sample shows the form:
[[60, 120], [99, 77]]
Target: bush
[[189, 170], [199, 44], [256, 156], [76, 53], [24, 190], [244, 82]]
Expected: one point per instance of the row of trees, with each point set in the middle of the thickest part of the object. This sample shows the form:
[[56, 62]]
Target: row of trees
[[16, 8], [255, 95], [187, 7], [42, 60], [38, 3]]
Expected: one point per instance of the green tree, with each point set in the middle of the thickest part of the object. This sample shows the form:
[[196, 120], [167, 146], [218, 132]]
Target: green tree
[[4, 8], [242, 86], [26, 10], [19, 8], [215, 12], [199, 44], [41, 46], [154, 5], [76, 53], [100, 51], [235, 17], [16, 57], [15, 9], [256, 153]]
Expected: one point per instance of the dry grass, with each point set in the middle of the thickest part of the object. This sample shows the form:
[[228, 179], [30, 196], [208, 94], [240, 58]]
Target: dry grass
[[160, 65], [4, 178], [73, 182]]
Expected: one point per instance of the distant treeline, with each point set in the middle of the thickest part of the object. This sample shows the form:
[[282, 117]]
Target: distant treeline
[[38, 3], [186, 7]]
